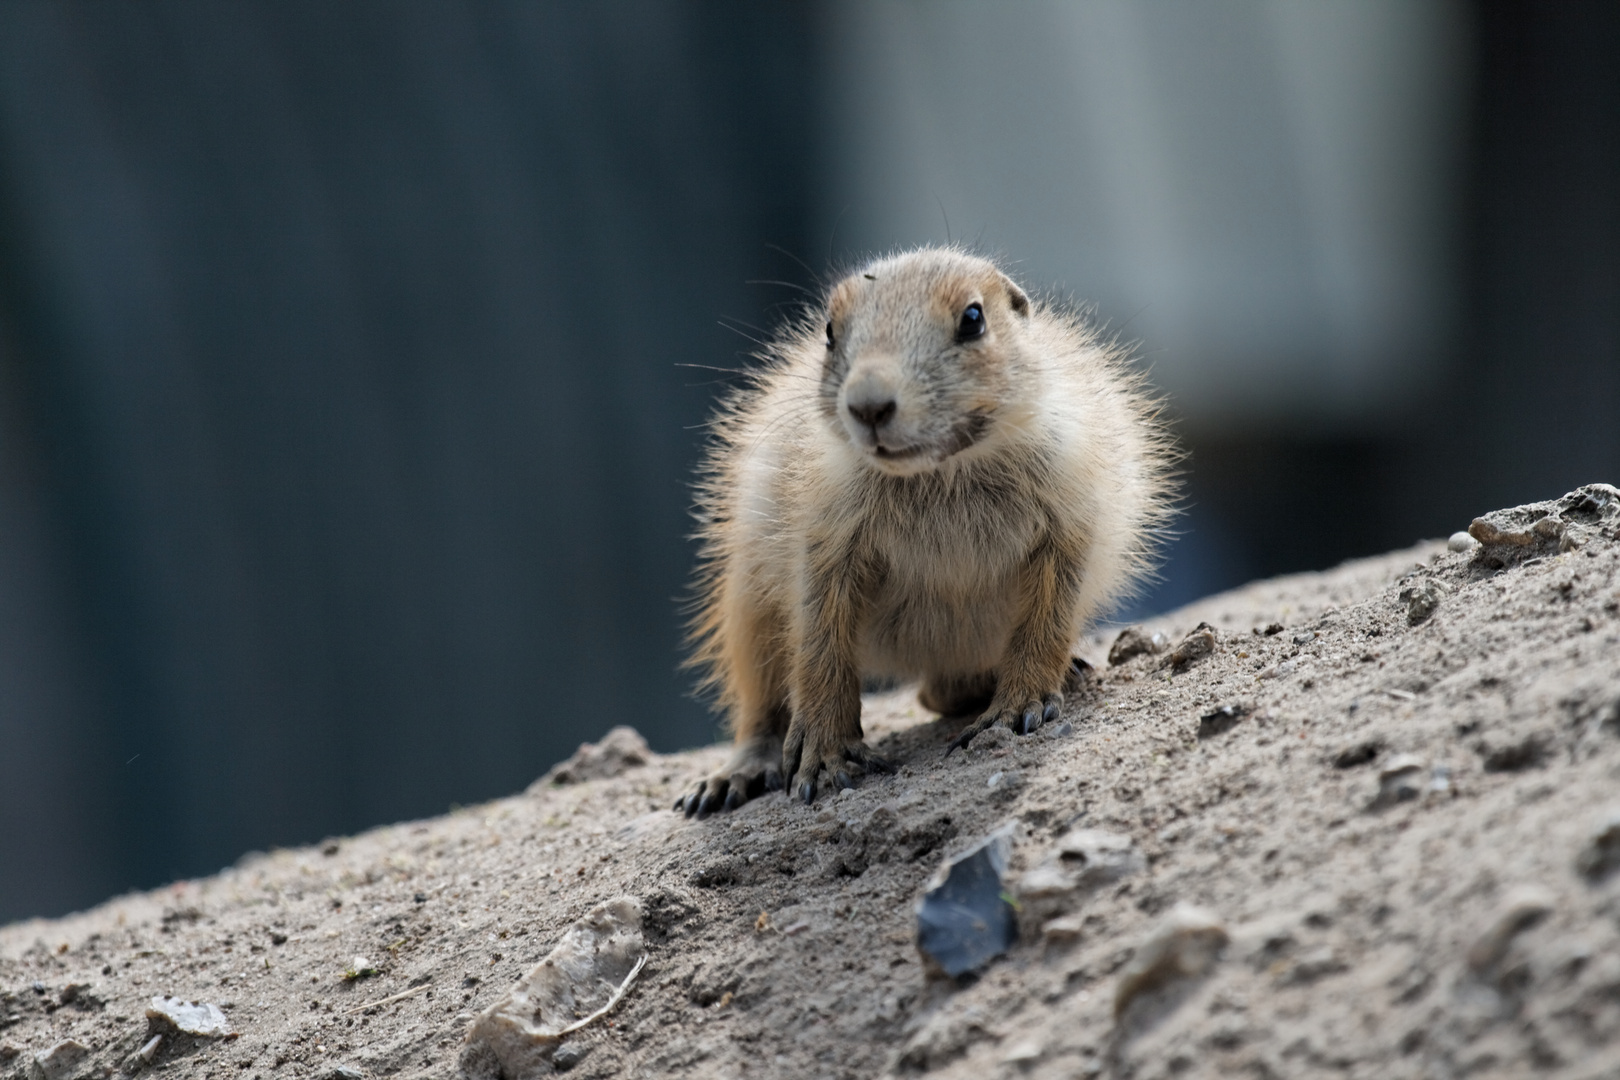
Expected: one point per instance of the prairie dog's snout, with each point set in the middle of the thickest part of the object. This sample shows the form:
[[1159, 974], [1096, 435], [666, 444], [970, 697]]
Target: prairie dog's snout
[[870, 399]]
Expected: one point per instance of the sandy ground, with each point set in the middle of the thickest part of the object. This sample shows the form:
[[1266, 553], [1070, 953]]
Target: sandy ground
[[1466, 925]]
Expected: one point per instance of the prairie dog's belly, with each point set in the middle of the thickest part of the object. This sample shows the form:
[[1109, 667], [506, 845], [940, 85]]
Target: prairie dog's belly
[[948, 601]]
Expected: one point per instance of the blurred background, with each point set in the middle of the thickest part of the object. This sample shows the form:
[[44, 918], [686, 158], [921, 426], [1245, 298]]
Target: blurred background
[[353, 357]]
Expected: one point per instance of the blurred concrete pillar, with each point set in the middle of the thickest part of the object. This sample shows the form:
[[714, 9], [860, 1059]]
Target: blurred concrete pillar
[[1260, 191]]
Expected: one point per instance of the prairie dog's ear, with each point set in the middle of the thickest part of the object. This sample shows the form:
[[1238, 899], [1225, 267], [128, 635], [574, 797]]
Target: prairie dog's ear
[[1015, 296]]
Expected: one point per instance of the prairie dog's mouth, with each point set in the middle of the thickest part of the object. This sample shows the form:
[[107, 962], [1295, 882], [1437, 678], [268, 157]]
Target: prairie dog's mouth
[[958, 437]]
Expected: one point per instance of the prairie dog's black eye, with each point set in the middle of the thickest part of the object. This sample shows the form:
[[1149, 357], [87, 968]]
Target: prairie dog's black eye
[[830, 341], [972, 324]]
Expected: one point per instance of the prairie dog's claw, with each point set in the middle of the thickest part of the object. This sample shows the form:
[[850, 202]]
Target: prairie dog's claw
[[1024, 719], [754, 768]]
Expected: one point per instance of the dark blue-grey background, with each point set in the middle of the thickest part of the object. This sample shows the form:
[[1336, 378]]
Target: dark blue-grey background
[[344, 432]]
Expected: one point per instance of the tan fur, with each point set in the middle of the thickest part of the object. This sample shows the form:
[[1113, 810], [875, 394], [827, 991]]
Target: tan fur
[[1036, 484]]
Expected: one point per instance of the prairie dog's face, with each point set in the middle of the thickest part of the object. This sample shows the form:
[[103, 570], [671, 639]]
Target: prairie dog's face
[[919, 356]]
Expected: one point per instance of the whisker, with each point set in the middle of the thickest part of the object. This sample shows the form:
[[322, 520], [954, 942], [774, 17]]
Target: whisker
[[784, 284], [779, 248]]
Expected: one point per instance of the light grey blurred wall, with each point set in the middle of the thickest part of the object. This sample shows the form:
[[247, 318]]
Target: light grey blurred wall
[[1263, 192]]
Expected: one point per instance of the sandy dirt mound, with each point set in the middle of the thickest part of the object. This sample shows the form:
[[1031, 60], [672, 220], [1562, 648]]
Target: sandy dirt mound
[[1372, 833]]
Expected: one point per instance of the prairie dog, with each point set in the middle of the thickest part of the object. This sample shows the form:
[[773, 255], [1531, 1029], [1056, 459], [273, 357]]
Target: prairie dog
[[933, 478]]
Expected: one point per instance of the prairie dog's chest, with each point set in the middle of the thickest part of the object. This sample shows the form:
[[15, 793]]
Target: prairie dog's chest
[[958, 542]]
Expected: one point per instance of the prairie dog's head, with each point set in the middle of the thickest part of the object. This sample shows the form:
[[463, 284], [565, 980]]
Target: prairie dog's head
[[922, 353]]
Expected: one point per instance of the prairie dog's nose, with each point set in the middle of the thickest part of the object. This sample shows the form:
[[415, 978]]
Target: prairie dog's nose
[[870, 397]]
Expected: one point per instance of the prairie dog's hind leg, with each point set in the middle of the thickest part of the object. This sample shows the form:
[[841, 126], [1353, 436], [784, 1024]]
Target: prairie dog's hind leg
[[755, 767], [958, 695]]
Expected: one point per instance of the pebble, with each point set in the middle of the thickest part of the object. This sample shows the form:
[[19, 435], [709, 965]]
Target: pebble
[[1221, 721], [1065, 728], [1196, 646], [193, 1018], [59, 1062], [568, 1056], [1063, 929], [1600, 855], [1132, 642], [1440, 780], [1461, 542], [1503, 547], [964, 920], [1358, 753], [1523, 907], [1422, 600], [149, 1051], [1185, 945], [343, 1072], [1400, 780], [1279, 671]]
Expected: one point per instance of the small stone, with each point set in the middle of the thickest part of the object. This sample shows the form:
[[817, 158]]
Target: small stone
[[342, 1072], [1132, 642], [1185, 945], [1024, 1052], [1065, 728], [59, 1062], [189, 1017], [568, 1056], [150, 1048], [963, 919], [1400, 780], [1358, 753], [1440, 780], [1280, 671], [995, 778], [1600, 855], [1273, 629], [78, 993], [1195, 647], [1461, 542], [1523, 907], [1222, 720], [359, 968], [1422, 600], [1510, 538], [9, 1051], [1063, 929], [1305, 638]]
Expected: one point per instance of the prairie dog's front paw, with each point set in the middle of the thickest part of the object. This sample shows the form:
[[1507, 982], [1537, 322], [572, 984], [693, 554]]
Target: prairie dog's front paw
[[753, 770], [1022, 718], [820, 762]]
